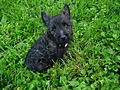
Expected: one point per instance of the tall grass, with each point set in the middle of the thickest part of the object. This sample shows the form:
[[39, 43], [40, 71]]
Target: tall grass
[[92, 61]]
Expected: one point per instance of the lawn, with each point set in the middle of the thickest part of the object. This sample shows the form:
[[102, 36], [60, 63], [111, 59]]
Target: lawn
[[92, 61]]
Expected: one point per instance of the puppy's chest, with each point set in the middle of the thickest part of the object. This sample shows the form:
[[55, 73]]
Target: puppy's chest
[[55, 52], [61, 52]]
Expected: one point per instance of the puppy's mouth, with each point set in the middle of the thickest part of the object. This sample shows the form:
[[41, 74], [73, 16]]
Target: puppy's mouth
[[63, 45]]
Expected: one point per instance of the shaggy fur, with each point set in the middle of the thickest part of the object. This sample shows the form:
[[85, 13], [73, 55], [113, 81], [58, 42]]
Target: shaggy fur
[[53, 44]]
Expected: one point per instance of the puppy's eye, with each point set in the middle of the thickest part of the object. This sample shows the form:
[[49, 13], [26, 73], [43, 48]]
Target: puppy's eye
[[54, 28], [65, 24]]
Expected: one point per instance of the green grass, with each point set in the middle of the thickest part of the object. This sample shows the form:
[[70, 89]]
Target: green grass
[[92, 61]]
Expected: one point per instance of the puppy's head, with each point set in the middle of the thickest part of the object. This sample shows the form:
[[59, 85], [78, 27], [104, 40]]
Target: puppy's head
[[59, 28]]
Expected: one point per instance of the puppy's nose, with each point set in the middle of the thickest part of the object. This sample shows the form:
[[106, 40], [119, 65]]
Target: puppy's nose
[[63, 37]]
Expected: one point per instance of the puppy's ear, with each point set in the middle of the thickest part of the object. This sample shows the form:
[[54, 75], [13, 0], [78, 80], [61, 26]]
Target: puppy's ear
[[45, 18], [66, 11]]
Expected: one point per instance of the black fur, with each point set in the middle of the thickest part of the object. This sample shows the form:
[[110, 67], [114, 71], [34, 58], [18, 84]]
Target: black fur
[[52, 45]]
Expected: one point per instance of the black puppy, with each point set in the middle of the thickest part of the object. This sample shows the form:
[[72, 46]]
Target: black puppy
[[52, 45]]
